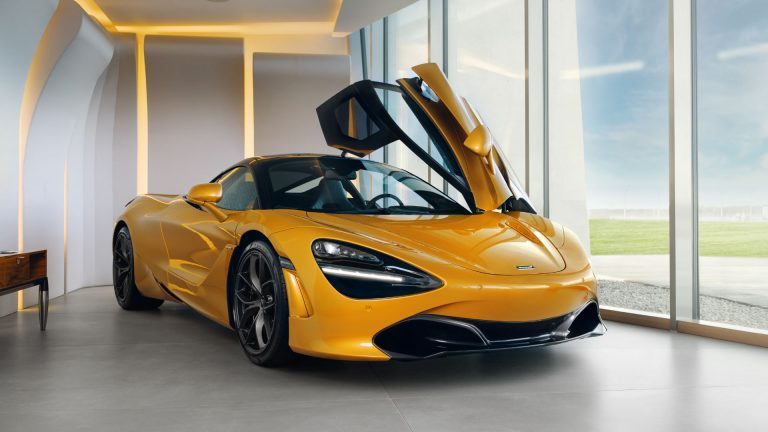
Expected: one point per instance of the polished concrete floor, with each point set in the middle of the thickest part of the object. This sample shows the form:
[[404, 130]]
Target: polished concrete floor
[[99, 368]]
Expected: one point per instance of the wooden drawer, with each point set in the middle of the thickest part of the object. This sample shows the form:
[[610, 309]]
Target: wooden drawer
[[14, 269]]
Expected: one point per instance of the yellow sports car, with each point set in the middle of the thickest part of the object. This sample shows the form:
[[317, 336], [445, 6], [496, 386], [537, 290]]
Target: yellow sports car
[[346, 258]]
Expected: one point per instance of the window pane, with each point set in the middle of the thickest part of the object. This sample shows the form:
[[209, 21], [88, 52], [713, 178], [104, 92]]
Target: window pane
[[488, 67], [732, 60], [408, 46], [608, 142]]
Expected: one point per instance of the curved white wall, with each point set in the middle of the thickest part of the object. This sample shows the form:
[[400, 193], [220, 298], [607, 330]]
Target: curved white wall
[[22, 23], [56, 139]]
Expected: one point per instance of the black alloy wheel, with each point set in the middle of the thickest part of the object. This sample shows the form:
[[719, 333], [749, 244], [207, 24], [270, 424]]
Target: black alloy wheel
[[126, 292], [260, 307]]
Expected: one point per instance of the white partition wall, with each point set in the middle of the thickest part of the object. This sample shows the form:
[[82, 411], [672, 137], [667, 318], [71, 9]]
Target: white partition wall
[[195, 109], [286, 90], [20, 32], [56, 138]]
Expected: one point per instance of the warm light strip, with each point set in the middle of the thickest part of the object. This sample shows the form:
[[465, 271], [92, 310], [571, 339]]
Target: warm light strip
[[142, 120], [232, 30], [91, 8], [248, 127]]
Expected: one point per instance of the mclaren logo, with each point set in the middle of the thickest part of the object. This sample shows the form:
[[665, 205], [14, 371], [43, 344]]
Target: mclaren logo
[[526, 267]]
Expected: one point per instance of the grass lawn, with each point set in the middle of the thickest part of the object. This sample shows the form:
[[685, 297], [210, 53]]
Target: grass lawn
[[639, 237]]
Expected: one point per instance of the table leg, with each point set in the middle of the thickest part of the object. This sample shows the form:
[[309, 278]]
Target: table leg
[[42, 303]]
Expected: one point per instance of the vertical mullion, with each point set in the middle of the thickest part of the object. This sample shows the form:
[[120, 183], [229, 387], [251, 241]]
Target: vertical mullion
[[672, 171], [436, 51], [527, 91], [683, 174], [536, 104], [694, 166], [545, 105], [385, 78]]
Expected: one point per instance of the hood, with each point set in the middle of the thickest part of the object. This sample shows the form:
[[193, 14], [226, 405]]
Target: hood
[[490, 243]]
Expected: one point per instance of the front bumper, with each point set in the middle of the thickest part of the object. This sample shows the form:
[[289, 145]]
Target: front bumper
[[325, 323], [425, 336]]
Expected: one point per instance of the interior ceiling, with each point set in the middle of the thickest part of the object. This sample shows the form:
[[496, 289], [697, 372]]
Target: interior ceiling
[[336, 17], [217, 12]]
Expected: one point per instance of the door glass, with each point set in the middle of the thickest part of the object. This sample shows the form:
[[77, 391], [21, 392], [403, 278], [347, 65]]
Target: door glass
[[238, 190]]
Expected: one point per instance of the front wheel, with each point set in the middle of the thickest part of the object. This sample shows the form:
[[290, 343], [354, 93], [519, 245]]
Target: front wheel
[[126, 292], [260, 306]]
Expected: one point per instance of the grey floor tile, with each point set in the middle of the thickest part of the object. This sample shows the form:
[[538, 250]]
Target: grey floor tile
[[101, 368]]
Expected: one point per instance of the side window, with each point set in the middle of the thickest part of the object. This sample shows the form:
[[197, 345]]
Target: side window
[[238, 190]]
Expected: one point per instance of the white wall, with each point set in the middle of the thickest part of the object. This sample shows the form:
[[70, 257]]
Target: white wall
[[195, 105], [22, 23], [55, 153], [287, 88]]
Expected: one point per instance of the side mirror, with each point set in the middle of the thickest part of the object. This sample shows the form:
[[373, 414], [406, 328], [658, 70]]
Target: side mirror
[[205, 193], [479, 141]]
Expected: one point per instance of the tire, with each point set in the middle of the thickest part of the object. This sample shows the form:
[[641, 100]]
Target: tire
[[126, 292], [259, 306]]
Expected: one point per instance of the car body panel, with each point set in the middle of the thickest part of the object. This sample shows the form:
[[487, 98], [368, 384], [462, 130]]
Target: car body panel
[[322, 321], [492, 243], [498, 264], [341, 327]]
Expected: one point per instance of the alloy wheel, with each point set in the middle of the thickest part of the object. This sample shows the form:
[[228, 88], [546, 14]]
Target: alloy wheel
[[254, 302], [121, 265]]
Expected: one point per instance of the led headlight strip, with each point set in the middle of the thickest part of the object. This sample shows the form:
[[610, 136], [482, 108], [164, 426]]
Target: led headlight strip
[[362, 273]]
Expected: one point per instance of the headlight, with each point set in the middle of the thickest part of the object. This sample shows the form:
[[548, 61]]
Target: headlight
[[333, 250], [362, 273]]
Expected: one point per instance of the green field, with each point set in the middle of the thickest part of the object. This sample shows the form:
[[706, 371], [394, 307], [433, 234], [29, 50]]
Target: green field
[[640, 237]]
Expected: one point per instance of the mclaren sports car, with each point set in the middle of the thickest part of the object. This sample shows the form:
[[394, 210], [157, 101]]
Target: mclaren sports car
[[343, 257]]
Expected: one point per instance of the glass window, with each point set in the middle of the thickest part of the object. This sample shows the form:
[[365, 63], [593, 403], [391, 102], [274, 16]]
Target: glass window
[[407, 46], [238, 190], [488, 67], [609, 142], [348, 185], [732, 60]]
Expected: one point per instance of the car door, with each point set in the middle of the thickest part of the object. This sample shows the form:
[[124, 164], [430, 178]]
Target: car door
[[197, 240], [463, 150]]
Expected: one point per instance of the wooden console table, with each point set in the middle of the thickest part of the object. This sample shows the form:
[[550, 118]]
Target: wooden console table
[[20, 270]]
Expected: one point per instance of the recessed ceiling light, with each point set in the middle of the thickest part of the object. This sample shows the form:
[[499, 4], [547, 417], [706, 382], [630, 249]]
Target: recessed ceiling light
[[218, 1]]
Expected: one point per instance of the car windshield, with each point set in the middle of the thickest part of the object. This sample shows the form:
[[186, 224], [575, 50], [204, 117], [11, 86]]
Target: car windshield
[[347, 185]]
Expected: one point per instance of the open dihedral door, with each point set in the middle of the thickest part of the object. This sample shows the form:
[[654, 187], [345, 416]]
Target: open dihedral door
[[464, 152]]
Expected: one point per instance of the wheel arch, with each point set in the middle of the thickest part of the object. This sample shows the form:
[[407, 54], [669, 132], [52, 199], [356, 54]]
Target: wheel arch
[[247, 238], [118, 226]]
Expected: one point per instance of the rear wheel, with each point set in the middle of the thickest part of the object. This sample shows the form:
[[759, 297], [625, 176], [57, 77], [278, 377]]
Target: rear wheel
[[260, 306], [126, 293]]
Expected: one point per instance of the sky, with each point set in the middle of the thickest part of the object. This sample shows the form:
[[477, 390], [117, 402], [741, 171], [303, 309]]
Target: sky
[[623, 49]]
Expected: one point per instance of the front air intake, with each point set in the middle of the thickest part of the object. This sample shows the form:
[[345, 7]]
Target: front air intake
[[424, 336]]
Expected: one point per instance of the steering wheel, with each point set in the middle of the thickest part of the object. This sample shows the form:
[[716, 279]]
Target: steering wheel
[[373, 200]]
